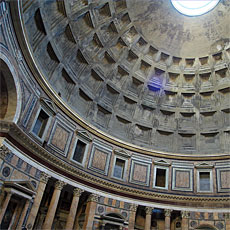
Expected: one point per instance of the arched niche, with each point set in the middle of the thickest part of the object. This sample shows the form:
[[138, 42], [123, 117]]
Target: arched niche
[[8, 93]]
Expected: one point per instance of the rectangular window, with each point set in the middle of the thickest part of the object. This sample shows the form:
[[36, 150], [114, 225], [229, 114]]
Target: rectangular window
[[40, 124], [79, 151], [119, 168], [204, 181], [160, 178]]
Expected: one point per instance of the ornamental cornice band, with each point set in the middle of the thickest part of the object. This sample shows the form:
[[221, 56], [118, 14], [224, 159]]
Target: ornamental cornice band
[[44, 155]]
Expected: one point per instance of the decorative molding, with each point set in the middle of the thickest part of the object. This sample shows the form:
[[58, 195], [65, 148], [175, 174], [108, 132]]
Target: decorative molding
[[204, 166], [136, 163], [59, 185], [49, 105], [175, 170], [221, 185], [43, 155], [77, 192], [162, 162], [149, 210], [84, 134], [93, 198], [122, 152]]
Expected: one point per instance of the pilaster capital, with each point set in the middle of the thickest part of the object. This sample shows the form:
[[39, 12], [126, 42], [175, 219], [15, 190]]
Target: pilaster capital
[[133, 207], [148, 210], [77, 192], [167, 212], [3, 151], [93, 198], [59, 185], [227, 216], [185, 214], [44, 177]]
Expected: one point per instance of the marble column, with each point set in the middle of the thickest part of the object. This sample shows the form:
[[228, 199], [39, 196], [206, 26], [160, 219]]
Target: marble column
[[16, 216], [53, 205], [90, 211], [73, 209], [185, 217], [37, 201], [132, 216], [4, 206], [23, 214], [227, 220], [167, 219], [148, 217]]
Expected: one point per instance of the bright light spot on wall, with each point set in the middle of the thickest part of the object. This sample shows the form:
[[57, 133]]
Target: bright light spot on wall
[[194, 7]]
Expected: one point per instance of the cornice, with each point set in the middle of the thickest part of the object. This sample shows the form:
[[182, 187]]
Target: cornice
[[42, 156], [16, 12]]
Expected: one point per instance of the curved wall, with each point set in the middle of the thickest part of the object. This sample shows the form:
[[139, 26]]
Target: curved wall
[[97, 63]]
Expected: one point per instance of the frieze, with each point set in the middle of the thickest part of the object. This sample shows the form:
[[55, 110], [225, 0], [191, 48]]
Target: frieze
[[44, 155]]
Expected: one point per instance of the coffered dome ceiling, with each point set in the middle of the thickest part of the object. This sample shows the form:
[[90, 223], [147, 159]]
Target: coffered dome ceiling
[[138, 71]]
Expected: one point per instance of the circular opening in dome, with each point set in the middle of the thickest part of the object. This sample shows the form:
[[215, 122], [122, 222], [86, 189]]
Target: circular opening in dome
[[194, 7]]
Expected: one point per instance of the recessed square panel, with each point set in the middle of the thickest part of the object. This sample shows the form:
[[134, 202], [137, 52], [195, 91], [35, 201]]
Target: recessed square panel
[[182, 179]]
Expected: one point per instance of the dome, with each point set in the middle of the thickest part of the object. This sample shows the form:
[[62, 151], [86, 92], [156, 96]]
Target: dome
[[146, 86]]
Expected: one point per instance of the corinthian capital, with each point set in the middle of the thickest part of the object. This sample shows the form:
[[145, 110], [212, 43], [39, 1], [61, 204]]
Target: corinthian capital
[[133, 207], [3, 151], [148, 210], [93, 198], [77, 192], [59, 185], [168, 212], [227, 216], [44, 177], [185, 214]]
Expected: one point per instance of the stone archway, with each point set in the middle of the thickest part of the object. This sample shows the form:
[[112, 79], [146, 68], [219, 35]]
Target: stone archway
[[8, 93]]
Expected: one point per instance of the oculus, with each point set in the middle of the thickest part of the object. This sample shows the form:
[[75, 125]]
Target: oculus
[[194, 7]]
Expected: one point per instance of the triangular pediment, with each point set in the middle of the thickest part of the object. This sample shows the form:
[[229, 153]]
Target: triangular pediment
[[204, 165], [162, 162], [22, 186], [49, 105], [122, 152], [84, 134]]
